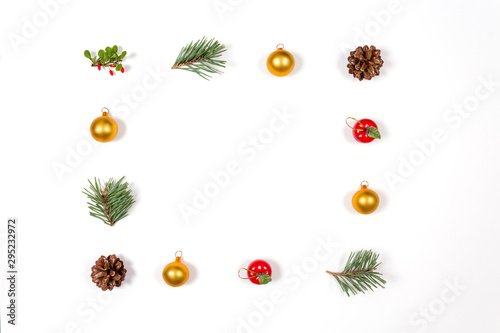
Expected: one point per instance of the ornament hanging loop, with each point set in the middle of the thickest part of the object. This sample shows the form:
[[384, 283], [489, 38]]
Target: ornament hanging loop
[[356, 129], [365, 183], [280, 46], [105, 111], [178, 256], [245, 278]]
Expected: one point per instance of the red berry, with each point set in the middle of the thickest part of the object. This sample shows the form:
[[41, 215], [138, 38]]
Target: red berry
[[123, 70], [360, 131], [111, 73], [112, 65], [257, 268], [99, 67]]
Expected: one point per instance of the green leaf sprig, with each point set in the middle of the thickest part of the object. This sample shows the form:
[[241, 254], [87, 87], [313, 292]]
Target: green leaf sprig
[[200, 57], [373, 132], [109, 202], [359, 273], [264, 278], [108, 57]]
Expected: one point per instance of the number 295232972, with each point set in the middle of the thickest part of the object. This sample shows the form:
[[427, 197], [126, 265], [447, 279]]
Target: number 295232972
[[11, 244]]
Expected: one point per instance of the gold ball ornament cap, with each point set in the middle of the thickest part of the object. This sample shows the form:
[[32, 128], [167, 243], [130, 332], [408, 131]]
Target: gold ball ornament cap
[[176, 273], [280, 62], [104, 128], [365, 201]]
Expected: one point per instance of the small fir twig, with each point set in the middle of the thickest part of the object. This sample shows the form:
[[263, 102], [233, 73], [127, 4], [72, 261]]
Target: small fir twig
[[108, 58], [359, 273], [109, 202], [200, 57]]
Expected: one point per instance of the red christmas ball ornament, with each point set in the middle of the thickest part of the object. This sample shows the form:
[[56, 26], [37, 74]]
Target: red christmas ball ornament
[[364, 130], [258, 272]]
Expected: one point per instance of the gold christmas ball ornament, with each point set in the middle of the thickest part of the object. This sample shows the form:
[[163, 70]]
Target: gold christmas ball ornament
[[104, 128], [280, 62], [176, 273], [365, 201]]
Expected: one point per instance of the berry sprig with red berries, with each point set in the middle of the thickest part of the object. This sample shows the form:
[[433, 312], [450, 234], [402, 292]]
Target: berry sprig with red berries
[[108, 58]]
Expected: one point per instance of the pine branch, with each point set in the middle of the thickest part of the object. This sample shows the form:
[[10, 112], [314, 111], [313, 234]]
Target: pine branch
[[200, 57], [359, 273], [110, 203]]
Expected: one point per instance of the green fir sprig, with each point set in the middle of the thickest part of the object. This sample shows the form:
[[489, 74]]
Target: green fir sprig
[[108, 57], [200, 57], [359, 273], [109, 202]]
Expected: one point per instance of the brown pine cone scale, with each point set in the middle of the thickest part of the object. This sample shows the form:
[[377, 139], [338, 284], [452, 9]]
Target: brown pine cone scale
[[365, 62], [108, 272]]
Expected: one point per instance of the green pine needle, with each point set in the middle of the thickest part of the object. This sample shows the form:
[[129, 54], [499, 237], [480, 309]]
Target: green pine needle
[[200, 57], [359, 273], [109, 202]]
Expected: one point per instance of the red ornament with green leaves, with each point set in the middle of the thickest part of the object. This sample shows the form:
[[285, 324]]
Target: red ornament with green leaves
[[108, 58], [258, 272], [364, 130]]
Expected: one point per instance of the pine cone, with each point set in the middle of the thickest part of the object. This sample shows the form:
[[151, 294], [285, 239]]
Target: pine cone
[[365, 62], [108, 273]]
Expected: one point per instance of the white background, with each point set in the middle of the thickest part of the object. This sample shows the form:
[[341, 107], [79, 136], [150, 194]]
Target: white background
[[438, 227]]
